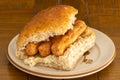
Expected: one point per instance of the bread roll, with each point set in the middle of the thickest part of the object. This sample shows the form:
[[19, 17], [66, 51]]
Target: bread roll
[[71, 56], [54, 21]]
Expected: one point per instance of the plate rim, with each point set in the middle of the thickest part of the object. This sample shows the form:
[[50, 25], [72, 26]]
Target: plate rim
[[62, 76], [45, 75]]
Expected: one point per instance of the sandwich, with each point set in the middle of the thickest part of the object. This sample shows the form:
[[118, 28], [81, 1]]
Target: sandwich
[[55, 38]]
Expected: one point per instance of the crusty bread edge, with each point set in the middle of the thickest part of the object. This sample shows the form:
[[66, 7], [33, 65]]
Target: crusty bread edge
[[52, 21]]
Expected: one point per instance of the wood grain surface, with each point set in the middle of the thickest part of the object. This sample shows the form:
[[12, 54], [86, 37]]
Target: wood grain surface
[[100, 14]]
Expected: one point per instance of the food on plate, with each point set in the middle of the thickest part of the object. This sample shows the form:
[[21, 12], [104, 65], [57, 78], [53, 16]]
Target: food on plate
[[44, 48], [31, 48], [55, 38], [66, 40]]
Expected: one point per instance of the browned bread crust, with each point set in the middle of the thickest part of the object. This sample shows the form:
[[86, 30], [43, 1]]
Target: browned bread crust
[[52, 21]]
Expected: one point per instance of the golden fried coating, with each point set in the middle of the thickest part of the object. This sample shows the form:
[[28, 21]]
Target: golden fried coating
[[31, 48], [44, 48], [59, 46], [55, 38]]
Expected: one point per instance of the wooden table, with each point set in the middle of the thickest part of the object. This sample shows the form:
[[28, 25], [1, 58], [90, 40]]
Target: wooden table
[[98, 14]]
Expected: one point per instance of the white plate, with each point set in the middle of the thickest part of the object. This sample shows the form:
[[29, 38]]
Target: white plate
[[102, 54]]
